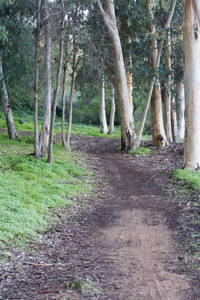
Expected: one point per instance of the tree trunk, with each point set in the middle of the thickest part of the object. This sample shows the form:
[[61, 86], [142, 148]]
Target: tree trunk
[[57, 85], [174, 120], [44, 134], [36, 83], [151, 85], [71, 94], [180, 109], [167, 89], [157, 126], [128, 136], [64, 91], [158, 133], [12, 132], [191, 46], [103, 122], [112, 112]]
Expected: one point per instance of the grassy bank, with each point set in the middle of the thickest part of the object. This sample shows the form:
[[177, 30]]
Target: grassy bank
[[29, 188]]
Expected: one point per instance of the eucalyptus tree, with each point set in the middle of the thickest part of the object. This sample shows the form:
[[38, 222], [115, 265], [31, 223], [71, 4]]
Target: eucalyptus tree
[[180, 110], [191, 20], [152, 82], [128, 136], [56, 91], [103, 121], [44, 133]]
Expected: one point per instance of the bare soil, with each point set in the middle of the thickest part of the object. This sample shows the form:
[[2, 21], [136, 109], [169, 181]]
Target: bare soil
[[118, 243]]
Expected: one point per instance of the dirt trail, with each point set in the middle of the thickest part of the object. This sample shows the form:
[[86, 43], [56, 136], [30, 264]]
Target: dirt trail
[[120, 246]]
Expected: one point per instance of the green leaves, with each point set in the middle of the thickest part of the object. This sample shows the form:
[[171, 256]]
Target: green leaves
[[3, 34]]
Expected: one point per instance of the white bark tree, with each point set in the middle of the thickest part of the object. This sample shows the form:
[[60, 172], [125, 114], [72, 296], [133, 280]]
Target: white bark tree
[[180, 110], [64, 91], [102, 107], [128, 136], [151, 85], [55, 99], [191, 45], [44, 134], [36, 82], [174, 120], [167, 99], [112, 112], [157, 125]]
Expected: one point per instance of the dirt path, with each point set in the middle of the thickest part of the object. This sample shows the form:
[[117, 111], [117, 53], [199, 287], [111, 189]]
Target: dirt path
[[119, 245]]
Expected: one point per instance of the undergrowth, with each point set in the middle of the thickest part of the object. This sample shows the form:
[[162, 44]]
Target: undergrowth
[[190, 177], [140, 150], [29, 188], [25, 122], [187, 194]]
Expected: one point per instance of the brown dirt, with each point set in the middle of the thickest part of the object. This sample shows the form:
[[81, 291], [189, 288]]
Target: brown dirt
[[120, 242]]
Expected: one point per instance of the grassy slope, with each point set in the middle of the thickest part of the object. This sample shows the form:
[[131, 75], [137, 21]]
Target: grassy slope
[[30, 188]]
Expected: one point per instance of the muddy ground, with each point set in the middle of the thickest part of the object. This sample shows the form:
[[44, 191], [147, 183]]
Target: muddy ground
[[121, 242]]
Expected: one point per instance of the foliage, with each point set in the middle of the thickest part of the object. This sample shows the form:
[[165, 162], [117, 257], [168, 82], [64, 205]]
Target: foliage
[[29, 187]]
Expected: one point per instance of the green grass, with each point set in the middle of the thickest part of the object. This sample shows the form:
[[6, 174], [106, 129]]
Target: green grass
[[82, 129], [140, 151], [29, 188], [190, 177]]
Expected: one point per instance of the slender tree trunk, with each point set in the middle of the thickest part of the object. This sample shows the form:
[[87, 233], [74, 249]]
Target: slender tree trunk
[[12, 132], [56, 92], [180, 109], [174, 120], [191, 45], [157, 126], [71, 94], [128, 136], [102, 106], [158, 133], [44, 134], [112, 112], [64, 92], [151, 85], [167, 89], [130, 88], [36, 83]]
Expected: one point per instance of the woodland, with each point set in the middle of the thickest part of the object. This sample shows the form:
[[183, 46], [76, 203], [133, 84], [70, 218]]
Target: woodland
[[99, 127]]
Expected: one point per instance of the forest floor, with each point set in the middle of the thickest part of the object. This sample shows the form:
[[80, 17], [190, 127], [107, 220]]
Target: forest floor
[[121, 242]]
